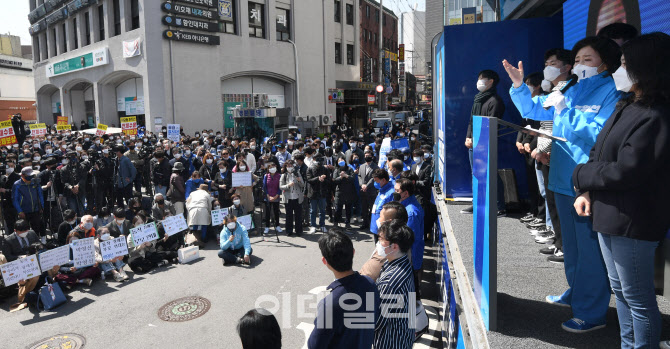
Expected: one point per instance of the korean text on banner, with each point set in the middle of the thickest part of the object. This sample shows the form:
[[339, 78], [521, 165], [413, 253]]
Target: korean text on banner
[[20, 269], [387, 145], [83, 252], [144, 233], [54, 257], [113, 248], [129, 125], [38, 129], [241, 179], [7, 136], [173, 133], [246, 222], [174, 224], [61, 121], [102, 129], [218, 216]]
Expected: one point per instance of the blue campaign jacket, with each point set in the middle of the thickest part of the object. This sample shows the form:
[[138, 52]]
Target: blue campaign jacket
[[126, 170], [415, 216], [240, 240], [27, 197], [385, 195], [589, 104]]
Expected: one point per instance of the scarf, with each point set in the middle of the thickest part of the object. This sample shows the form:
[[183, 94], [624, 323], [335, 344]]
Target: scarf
[[480, 98]]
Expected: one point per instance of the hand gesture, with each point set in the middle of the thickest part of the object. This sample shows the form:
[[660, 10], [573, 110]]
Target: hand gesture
[[583, 205], [519, 147], [468, 143], [526, 147], [364, 187], [516, 74]]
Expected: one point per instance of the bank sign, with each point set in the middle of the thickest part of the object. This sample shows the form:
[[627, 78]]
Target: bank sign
[[89, 60]]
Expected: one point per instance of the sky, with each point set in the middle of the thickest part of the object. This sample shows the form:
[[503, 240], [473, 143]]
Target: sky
[[14, 15]]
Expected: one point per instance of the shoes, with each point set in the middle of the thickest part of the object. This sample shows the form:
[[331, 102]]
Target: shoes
[[279, 229], [527, 219], [556, 300], [556, 257], [536, 223], [312, 230], [576, 325], [664, 345], [266, 231], [323, 229], [548, 250], [239, 260], [118, 277], [540, 231], [467, 210], [545, 238], [348, 226], [502, 213], [87, 282], [163, 262], [124, 275]]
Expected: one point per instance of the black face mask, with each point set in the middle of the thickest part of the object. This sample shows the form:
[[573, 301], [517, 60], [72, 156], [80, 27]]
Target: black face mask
[[368, 159], [160, 202], [396, 197]]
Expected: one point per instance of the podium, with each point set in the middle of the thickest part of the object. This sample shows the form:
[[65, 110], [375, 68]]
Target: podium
[[485, 133]]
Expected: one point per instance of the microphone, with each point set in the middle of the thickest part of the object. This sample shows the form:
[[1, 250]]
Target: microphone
[[563, 87]]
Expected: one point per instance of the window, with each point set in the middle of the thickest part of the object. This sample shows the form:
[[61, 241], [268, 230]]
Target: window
[[337, 11], [87, 29], [377, 16], [74, 32], [228, 16], [338, 53], [350, 14], [375, 38], [365, 35], [134, 14], [384, 20], [64, 36], [367, 11], [36, 48], [283, 25], [52, 43], [256, 22], [350, 54], [117, 17], [101, 21]]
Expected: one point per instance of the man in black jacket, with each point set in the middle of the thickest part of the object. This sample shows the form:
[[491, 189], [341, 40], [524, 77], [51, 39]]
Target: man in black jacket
[[487, 103], [318, 189], [424, 170], [73, 178], [6, 183], [366, 183], [161, 171]]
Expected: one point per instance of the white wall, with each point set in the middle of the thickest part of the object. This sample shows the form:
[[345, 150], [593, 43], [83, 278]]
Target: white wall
[[16, 84]]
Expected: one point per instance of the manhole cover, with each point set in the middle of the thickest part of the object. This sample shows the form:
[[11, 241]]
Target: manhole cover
[[66, 340], [184, 309]]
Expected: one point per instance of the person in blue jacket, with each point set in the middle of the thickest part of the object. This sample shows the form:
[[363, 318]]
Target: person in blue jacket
[[385, 187], [578, 114], [28, 200], [235, 244], [404, 193]]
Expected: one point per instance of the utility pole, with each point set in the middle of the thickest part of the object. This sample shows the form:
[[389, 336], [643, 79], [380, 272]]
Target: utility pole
[[381, 54]]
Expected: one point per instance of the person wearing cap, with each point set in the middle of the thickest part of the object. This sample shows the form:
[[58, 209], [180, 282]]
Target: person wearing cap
[[28, 200], [177, 191], [407, 160], [125, 175], [282, 155], [353, 149], [73, 181]]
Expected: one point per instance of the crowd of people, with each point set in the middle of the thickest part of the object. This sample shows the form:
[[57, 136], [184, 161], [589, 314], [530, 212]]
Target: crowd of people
[[65, 185], [598, 199]]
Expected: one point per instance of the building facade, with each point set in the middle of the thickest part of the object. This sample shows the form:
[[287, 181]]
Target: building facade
[[17, 88], [412, 35], [187, 62]]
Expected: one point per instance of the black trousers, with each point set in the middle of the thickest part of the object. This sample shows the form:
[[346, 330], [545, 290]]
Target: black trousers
[[535, 199], [124, 193], [348, 207], [271, 208], [551, 204], [293, 216], [35, 220], [366, 209], [430, 215]]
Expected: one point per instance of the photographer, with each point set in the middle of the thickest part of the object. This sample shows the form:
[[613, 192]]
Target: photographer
[[138, 162], [19, 128], [103, 177], [161, 171], [47, 179], [73, 179]]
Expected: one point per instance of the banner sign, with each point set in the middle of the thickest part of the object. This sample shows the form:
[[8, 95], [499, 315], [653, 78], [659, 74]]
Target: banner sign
[[62, 123], [134, 105], [92, 59], [387, 145], [7, 136], [129, 125], [173, 133], [102, 129], [174, 224], [190, 11], [178, 35], [246, 222], [38, 129], [218, 216], [131, 48], [191, 23], [144, 233], [206, 3], [54, 257], [401, 52], [113, 248], [83, 252], [241, 179], [20, 269], [371, 99]]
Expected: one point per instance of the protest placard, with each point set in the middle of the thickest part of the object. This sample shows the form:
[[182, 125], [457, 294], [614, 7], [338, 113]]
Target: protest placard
[[144, 233], [102, 129], [129, 125], [174, 224], [218, 216], [113, 248], [241, 179], [20, 269], [173, 133], [62, 123], [7, 136], [83, 253], [38, 129], [246, 222], [57, 256]]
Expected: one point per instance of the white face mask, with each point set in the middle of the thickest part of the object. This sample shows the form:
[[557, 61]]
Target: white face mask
[[120, 221], [177, 156], [546, 85], [481, 84], [531, 89], [88, 225], [289, 169], [236, 202], [231, 226], [208, 161], [273, 170], [84, 158], [621, 80], [105, 151], [97, 141], [584, 72], [24, 234], [49, 151], [65, 161], [381, 250], [78, 148], [416, 159], [243, 168], [551, 73], [105, 237], [9, 170]]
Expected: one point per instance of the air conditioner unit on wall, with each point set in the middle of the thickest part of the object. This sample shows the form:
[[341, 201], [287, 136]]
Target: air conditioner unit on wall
[[301, 119], [314, 119], [327, 120]]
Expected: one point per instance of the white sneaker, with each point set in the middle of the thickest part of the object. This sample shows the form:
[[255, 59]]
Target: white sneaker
[[312, 230], [123, 274], [279, 230], [266, 231], [118, 277]]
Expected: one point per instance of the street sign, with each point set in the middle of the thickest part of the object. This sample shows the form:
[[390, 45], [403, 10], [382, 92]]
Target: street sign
[[190, 11], [178, 35], [389, 90], [191, 23], [380, 88]]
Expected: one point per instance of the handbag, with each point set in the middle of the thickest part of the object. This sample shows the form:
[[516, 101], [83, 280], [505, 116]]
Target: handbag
[[50, 296]]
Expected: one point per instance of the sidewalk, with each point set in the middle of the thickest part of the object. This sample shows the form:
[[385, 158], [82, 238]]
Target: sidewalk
[[525, 278]]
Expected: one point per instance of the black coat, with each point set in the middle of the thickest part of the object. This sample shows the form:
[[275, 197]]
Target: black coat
[[494, 106], [345, 188], [424, 183], [315, 188], [627, 174]]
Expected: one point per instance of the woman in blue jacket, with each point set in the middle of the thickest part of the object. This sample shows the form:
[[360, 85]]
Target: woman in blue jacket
[[625, 187], [235, 244], [578, 114]]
